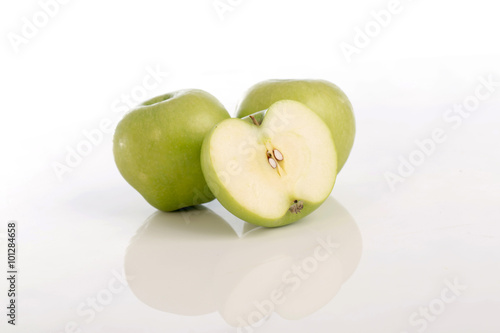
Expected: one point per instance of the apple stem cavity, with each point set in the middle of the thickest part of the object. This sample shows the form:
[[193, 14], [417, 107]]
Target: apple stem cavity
[[296, 207], [254, 120]]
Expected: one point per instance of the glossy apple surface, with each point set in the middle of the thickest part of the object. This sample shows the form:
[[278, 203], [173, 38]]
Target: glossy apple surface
[[157, 147]]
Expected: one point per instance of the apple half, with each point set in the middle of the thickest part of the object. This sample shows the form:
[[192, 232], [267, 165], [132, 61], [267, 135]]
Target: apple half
[[271, 168]]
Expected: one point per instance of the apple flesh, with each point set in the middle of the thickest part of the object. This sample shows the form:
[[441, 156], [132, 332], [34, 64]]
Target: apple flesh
[[271, 173], [157, 147], [323, 97]]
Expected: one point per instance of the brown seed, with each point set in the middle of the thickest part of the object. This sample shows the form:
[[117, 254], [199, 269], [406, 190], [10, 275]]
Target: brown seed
[[278, 155], [272, 162]]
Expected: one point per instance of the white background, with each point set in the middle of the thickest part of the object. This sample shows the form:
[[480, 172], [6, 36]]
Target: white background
[[440, 224]]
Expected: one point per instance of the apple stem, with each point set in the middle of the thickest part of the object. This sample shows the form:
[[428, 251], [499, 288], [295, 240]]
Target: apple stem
[[254, 120]]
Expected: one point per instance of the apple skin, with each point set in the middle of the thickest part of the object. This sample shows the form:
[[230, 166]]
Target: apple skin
[[323, 97], [157, 147]]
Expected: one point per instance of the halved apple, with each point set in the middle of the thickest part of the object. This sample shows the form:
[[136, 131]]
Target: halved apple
[[271, 169]]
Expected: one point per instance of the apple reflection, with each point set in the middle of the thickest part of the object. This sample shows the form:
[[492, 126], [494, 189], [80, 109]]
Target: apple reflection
[[192, 262]]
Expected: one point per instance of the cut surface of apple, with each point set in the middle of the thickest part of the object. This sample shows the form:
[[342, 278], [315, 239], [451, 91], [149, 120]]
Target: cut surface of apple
[[271, 173]]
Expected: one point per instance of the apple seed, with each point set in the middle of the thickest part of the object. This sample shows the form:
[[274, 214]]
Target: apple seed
[[278, 155], [272, 162]]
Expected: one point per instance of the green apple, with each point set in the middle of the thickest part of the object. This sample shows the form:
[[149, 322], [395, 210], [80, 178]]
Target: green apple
[[274, 172], [323, 97], [157, 147]]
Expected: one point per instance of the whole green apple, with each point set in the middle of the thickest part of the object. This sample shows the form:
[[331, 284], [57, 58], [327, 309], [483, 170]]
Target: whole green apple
[[323, 97], [271, 172], [157, 147]]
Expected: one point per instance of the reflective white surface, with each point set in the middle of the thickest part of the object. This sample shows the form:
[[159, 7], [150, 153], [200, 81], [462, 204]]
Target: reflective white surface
[[420, 255], [193, 262]]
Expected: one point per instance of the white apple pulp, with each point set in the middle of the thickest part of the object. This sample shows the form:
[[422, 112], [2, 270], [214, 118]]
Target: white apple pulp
[[273, 169]]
